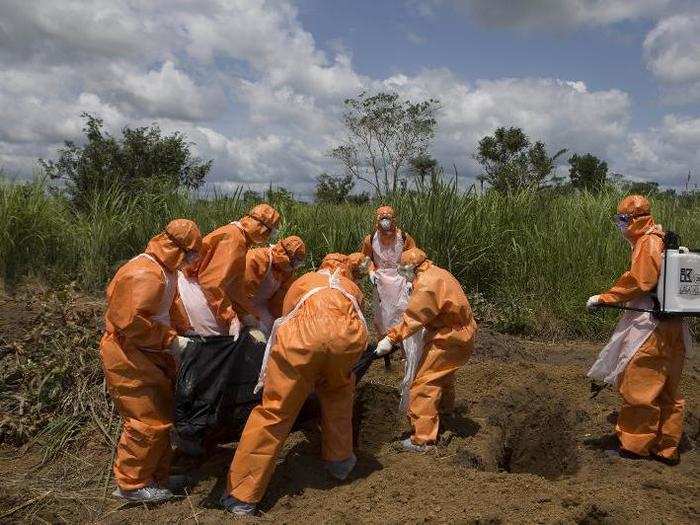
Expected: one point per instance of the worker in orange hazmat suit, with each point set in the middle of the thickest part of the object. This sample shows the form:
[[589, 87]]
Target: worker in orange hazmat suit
[[312, 348], [644, 358], [268, 275], [221, 269], [439, 309], [138, 352]]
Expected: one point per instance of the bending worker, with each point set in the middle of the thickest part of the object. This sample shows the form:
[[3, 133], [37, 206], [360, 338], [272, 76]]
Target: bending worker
[[269, 273], [438, 308], [221, 270], [384, 248], [313, 348], [138, 352], [644, 358]]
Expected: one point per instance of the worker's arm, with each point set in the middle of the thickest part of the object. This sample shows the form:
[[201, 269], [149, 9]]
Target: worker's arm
[[226, 265], [423, 307], [257, 262], [643, 274], [367, 250], [133, 303], [179, 319]]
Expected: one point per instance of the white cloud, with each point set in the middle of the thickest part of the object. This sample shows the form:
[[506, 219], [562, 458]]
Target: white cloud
[[666, 152], [246, 83], [672, 53]]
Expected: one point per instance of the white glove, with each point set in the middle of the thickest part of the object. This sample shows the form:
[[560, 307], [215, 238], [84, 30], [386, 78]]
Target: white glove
[[234, 328], [373, 278], [258, 335], [593, 302], [177, 347], [383, 347]]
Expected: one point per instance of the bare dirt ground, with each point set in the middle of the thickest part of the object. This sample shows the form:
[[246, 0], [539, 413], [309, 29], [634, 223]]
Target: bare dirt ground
[[526, 445]]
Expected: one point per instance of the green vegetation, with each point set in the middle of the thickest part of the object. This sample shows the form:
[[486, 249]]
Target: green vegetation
[[528, 259]]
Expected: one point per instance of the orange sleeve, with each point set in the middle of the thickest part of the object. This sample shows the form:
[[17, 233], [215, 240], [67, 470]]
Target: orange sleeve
[[643, 274], [134, 300], [367, 250], [423, 307], [224, 269], [256, 262], [408, 243]]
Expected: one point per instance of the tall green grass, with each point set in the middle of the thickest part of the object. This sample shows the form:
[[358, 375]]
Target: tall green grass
[[529, 261]]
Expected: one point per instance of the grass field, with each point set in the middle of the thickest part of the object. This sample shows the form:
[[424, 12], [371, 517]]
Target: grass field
[[529, 261]]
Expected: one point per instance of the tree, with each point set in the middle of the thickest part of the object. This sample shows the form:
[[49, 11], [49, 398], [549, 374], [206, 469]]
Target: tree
[[423, 167], [142, 156], [383, 133], [511, 163], [588, 172], [333, 190]]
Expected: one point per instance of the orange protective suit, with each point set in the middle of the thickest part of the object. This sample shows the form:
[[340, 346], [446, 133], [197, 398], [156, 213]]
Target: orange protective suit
[[139, 371], [269, 273], [221, 269], [314, 350], [386, 238], [651, 417], [439, 305]]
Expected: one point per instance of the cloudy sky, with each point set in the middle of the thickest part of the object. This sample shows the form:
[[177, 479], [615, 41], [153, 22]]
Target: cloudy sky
[[258, 85]]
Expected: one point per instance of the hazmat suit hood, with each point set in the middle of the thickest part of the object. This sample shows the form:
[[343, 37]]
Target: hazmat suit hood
[[388, 213], [170, 248], [336, 261], [260, 222], [639, 209], [415, 257], [286, 252], [358, 265]]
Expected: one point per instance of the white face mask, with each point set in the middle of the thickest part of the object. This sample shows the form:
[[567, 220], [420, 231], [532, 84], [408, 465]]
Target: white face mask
[[385, 224], [297, 264]]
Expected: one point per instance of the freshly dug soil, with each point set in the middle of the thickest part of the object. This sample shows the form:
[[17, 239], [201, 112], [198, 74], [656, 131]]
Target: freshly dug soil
[[525, 444]]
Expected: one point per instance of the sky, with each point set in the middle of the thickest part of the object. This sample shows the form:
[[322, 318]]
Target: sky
[[258, 86]]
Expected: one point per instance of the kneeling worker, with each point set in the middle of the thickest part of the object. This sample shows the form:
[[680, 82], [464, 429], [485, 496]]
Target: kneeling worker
[[439, 307], [138, 352], [644, 358], [313, 347]]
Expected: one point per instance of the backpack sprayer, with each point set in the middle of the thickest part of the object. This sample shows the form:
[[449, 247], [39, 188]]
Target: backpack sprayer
[[678, 290]]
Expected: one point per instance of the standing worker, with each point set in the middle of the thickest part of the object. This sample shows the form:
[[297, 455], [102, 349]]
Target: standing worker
[[269, 273], [221, 270], [644, 358], [138, 352], [439, 309], [384, 248], [312, 348]]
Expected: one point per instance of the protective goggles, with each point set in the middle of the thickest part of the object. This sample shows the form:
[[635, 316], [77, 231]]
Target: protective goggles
[[623, 220]]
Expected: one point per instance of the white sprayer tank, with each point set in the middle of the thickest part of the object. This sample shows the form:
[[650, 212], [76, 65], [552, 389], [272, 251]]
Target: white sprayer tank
[[678, 290]]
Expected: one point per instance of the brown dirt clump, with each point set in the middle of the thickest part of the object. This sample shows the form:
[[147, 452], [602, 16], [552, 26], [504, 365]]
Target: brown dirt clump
[[525, 444]]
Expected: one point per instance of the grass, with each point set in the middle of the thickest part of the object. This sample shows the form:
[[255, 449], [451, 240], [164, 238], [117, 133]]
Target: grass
[[529, 261]]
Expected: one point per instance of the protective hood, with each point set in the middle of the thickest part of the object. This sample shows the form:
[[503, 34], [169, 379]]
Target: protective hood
[[358, 265], [259, 223], [285, 252], [335, 261], [639, 208], [171, 246], [414, 257], [385, 212]]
